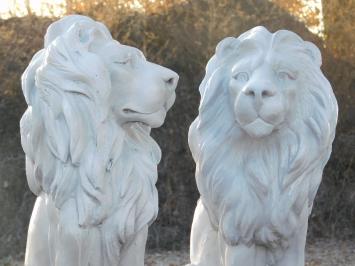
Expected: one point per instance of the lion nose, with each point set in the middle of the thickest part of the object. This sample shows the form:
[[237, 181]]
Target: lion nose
[[259, 94], [171, 80]]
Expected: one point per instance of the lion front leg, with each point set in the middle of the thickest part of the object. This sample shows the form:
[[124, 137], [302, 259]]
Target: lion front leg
[[242, 255], [37, 247], [294, 255], [74, 245], [255, 255], [133, 252], [203, 243]]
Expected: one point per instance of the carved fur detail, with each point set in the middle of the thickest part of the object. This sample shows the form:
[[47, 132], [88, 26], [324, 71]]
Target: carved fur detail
[[75, 151], [278, 175]]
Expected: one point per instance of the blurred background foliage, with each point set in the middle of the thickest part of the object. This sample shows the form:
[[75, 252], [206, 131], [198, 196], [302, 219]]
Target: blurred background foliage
[[182, 35]]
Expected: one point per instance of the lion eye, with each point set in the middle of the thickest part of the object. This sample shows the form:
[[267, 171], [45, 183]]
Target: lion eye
[[283, 75], [122, 62], [241, 76]]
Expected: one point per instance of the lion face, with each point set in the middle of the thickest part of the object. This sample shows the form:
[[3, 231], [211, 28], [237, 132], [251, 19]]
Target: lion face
[[265, 76], [141, 91], [261, 96]]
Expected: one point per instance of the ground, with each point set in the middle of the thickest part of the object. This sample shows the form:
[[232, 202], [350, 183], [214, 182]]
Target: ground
[[325, 252]]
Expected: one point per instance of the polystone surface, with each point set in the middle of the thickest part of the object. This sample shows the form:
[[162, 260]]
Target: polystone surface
[[262, 137], [90, 158]]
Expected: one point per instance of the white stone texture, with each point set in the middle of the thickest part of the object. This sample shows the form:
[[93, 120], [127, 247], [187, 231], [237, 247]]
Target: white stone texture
[[262, 137], [90, 158]]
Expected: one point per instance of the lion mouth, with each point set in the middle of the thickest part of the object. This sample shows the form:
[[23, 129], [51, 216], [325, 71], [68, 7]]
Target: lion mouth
[[165, 107], [131, 111], [258, 128], [152, 119]]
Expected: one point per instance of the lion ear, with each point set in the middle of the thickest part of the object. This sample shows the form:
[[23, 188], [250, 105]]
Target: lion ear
[[82, 33], [60, 27], [226, 46], [86, 35], [313, 51]]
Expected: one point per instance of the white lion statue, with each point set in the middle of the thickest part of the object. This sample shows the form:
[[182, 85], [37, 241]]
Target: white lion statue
[[89, 156], [263, 135]]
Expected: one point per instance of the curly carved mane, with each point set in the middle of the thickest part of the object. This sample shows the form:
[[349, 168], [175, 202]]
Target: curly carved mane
[[75, 151], [244, 182]]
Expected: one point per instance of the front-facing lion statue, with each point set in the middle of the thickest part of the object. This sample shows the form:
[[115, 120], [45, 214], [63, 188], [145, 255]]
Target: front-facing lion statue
[[263, 135], [89, 156]]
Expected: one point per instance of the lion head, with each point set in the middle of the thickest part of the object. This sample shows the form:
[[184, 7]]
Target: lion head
[[263, 135], [86, 133]]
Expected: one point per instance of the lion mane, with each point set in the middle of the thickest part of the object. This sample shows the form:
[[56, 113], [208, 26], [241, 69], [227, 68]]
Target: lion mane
[[256, 190], [75, 151]]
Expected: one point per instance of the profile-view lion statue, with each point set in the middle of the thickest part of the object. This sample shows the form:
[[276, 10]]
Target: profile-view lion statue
[[89, 156], [263, 135]]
